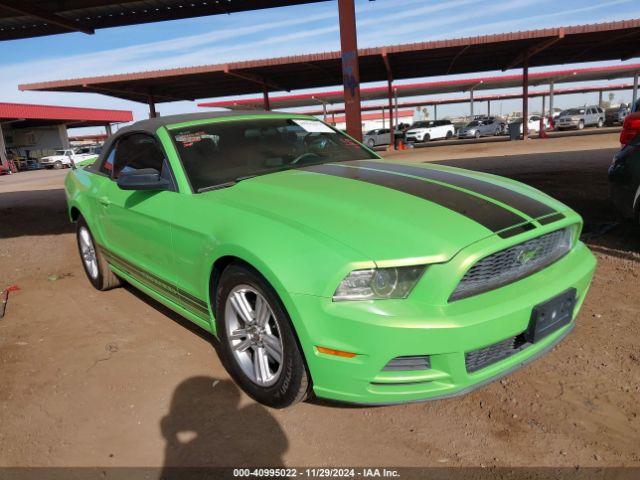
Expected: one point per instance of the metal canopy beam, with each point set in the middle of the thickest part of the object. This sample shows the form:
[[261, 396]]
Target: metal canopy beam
[[34, 11], [530, 52], [250, 77]]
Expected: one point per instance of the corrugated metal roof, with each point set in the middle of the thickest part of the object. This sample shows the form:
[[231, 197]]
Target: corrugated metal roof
[[437, 87], [478, 99], [582, 43], [96, 14], [19, 111]]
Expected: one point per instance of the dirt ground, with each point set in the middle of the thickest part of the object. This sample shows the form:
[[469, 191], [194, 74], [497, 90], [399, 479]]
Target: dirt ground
[[115, 379]]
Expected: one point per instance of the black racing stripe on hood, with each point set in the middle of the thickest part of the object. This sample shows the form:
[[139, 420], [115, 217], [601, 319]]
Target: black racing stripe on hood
[[489, 214], [525, 204]]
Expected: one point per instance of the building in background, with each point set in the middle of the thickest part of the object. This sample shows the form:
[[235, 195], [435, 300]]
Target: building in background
[[29, 132]]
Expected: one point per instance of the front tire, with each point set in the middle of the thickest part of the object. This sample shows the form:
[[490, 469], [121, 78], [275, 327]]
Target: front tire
[[581, 125], [477, 135], [258, 345], [371, 143], [600, 123], [95, 265], [426, 138], [449, 135], [57, 165]]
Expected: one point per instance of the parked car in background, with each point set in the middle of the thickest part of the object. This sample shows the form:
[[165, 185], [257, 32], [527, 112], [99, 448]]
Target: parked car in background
[[616, 115], [579, 118], [265, 230], [481, 128], [378, 136], [430, 130], [624, 172], [61, 159], [534, 123]]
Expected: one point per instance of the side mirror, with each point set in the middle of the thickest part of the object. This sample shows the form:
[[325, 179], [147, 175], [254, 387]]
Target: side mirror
[[143, 179]]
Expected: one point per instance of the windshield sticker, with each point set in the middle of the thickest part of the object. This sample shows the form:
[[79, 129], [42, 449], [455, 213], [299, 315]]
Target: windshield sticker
[[314, 126], [187, 139]]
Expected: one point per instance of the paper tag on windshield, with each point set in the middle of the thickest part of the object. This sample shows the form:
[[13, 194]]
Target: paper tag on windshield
[[314, 126]]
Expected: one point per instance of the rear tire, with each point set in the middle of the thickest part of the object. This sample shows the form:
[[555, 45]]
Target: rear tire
[[95, 265], [371, 143], [250, 347], [449, 135], [600, 123], [426, 137], [57, 165]]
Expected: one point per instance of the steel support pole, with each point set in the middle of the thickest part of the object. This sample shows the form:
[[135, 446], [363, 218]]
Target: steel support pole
[[635, 89], [435, 112], [3, 150], [600, 98], [471, 102], [107, 129], [544, 101], [551, 85], [488, 108], [395, 98], [265, 98], [350, 68], [392, 133], [324, 111], [525, 98], [152, 106]]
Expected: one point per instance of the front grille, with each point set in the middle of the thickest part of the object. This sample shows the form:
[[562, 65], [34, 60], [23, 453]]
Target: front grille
[[483, 357], [421, 362], [513, 263]]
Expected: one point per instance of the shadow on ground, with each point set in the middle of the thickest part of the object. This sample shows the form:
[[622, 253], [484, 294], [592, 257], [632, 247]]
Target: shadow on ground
[[34, 212], [207, 427]]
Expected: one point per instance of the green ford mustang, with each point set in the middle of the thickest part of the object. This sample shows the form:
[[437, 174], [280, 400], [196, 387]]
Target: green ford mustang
[[323, 269]]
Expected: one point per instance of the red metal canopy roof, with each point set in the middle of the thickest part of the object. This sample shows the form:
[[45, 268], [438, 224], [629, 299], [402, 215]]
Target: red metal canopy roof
[[582, 43], [28, 114], [33, 18], [478, 99], [431, 88]]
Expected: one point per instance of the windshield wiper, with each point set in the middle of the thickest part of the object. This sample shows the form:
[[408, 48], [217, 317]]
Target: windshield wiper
[[220, 186]]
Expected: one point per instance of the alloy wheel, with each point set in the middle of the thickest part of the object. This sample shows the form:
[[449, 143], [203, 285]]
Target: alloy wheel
[[254, 335], [88, 253]]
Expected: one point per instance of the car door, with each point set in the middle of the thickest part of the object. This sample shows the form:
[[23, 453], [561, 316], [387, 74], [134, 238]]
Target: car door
[[382, 137], [136, 224]]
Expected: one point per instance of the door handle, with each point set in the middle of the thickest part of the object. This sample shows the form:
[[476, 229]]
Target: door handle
[[104, 201]]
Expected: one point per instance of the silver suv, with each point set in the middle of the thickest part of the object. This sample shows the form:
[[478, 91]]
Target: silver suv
[[580, 118]]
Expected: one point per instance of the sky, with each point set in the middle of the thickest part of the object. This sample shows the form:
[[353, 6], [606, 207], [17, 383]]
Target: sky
[[281, 32]]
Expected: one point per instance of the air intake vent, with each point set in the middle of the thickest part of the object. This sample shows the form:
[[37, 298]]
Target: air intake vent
[[483, 357], [408, 363]]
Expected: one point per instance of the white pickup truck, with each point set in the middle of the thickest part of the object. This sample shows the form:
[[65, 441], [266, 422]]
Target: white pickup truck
[[63, 158]]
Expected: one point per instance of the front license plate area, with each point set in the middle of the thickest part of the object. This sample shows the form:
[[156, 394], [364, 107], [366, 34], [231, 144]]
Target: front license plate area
[[551, 315]]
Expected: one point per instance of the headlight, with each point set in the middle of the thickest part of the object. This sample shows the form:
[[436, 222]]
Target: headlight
[[379, 283]]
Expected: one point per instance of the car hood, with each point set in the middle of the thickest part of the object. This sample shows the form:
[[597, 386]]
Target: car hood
[[387, 211], [417, 130]]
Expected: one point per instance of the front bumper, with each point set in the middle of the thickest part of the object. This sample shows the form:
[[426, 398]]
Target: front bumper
[[382, 330], [466, 134]]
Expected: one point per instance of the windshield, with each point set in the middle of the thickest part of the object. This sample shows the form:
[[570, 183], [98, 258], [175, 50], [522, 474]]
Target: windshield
[[61, 152], [573, 111], [422, 125], [221, 153], [475, 123]]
